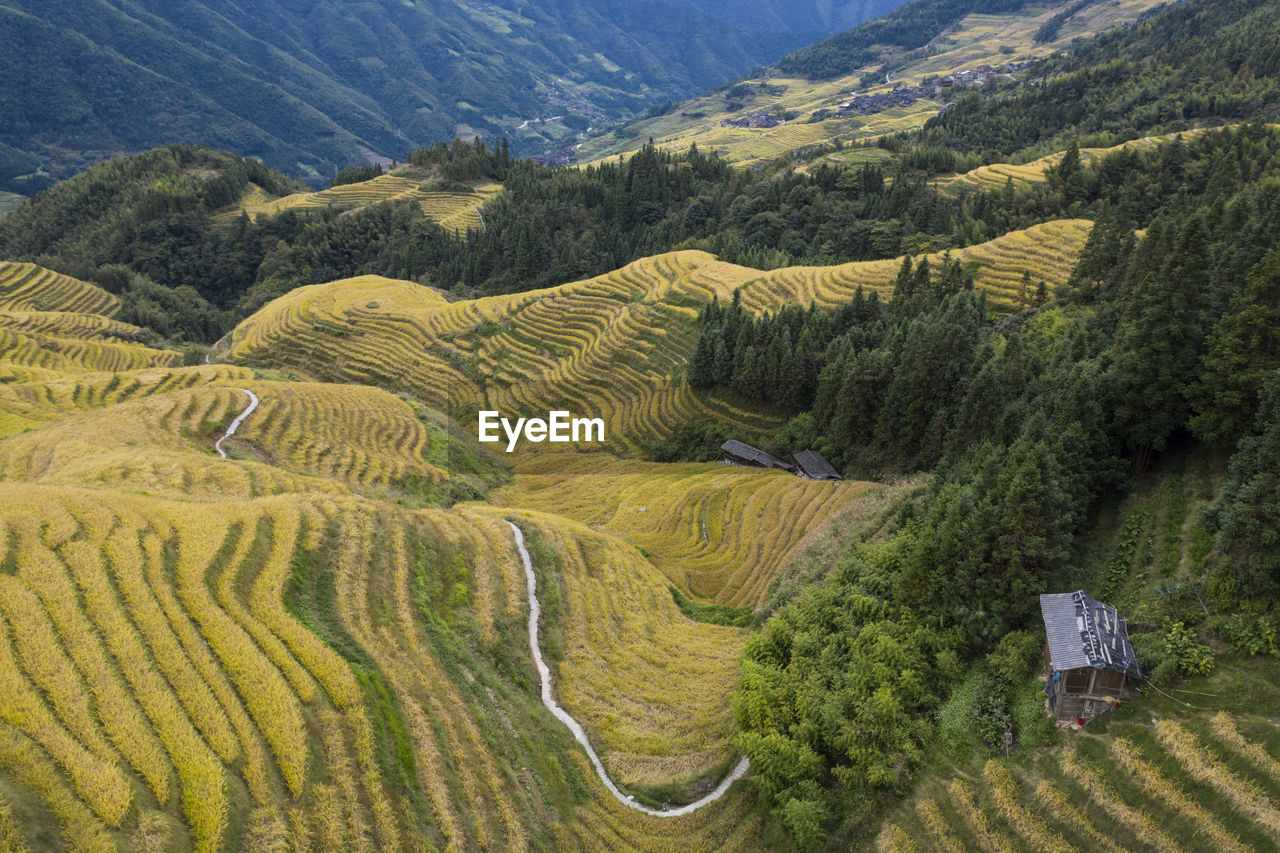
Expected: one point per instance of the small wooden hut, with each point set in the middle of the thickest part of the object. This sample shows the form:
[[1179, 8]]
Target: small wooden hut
[[814, 466], [734, 452], [1090, 659]]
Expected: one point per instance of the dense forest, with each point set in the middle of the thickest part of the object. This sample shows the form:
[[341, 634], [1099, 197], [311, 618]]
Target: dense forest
[[1193, 64], [1026, 422]]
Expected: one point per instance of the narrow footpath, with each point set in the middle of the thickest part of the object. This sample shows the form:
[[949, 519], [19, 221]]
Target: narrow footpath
[[535, 611], [231, 430]]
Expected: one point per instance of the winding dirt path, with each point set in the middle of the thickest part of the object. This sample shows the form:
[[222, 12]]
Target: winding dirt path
[[231, 430], [535, 612]]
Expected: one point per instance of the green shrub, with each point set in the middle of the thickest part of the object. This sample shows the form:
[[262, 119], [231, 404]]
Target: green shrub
[[956, 716], [1034, 727], [1251, 635], [1189, 656]]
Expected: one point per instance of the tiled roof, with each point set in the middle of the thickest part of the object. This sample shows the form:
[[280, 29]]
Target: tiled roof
[[1084, 632]]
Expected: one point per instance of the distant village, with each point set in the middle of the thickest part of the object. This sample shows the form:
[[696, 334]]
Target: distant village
[[902, 96]]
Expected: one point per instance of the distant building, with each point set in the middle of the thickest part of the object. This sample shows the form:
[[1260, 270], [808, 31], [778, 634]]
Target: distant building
[[1091, 660], [734, 452], [814, 466], [755, 120]]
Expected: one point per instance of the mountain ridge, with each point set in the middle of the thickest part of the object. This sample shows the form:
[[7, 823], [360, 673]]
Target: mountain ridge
[[340, 85]]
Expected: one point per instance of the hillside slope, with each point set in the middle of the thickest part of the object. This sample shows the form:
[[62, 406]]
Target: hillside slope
[[317, 87], [614, 346], [302, 641]]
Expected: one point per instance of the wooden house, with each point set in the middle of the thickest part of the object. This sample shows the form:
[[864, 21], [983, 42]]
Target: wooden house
[[734, 452], [814, 466], [1090, 659]]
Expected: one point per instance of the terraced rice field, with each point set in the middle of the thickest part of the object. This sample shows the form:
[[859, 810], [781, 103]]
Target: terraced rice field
[[27, 287], [613, 346], [355, 434], [52, 325], [290, 646], [996, 175], [235, 654], [1047, 251], [75, 354], [718, 533], [34, 396], [167, 680], [455, 211], [650, 686], [1207, 781], [89, 327]]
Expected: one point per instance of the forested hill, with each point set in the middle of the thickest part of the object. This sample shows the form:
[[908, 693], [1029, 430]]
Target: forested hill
[[910, 27], [316, 86], [1193, 63]]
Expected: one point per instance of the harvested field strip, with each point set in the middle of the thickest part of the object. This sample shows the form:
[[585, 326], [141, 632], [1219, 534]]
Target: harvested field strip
[[1160, 787]]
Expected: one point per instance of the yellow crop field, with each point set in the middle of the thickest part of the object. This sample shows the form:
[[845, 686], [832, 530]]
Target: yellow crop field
[[172, 687], [355, 434], [996, 175], [1141, 788], [657, 711], [302, 642], [35, 396], [454, 210], [1047, 251], [28, 287], [614, 346], [66, 324], [76, 354], [717, 532]]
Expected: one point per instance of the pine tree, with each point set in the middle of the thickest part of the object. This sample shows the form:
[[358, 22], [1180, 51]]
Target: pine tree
[[702, 367], [1243, 348], [1246, 514]]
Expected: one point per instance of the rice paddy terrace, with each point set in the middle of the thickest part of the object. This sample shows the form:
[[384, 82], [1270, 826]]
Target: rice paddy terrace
[[456, 210], [614, 346], [293, 649], [311, 644], [1186, 781], [718, 533], [996, 175]]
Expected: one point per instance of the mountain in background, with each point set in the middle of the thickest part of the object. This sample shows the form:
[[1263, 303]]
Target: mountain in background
[[311, 87], [820, 17]]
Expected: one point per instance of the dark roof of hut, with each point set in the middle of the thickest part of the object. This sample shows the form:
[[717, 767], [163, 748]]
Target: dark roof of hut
[[754, 455], [1084, 632], [815, 466]]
